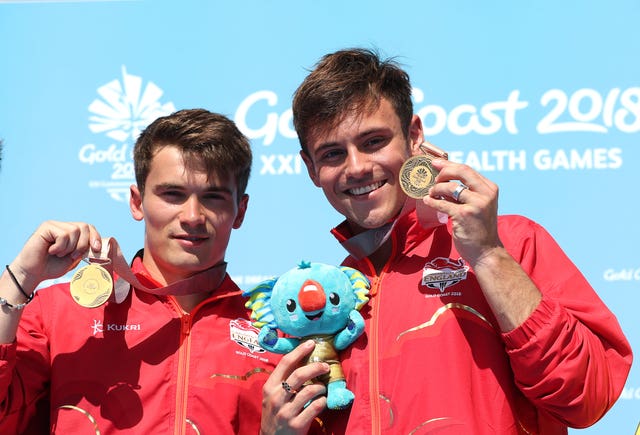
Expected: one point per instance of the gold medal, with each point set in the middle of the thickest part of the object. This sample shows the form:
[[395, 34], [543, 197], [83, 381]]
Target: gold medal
[[417, 175], [91, 286]]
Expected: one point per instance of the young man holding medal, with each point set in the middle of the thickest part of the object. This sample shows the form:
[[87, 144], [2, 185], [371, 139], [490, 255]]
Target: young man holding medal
[[163, 347], [477, 323]]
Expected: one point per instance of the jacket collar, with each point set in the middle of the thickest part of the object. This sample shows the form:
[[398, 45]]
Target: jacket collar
[[406, 233], [222, 286]]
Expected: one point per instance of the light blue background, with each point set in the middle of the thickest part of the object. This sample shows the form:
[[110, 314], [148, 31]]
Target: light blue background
[[55, 56]]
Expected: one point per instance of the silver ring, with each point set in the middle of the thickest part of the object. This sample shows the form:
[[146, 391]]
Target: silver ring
[[456, 193], [286, 387]]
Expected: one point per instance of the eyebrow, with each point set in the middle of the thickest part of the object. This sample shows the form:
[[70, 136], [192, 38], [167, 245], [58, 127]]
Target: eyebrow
[[209, 188], [324, 146], [369, 132]]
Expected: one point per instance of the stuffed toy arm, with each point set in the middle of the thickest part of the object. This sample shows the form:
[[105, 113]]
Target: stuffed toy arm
[[353, 330], [269, 340]]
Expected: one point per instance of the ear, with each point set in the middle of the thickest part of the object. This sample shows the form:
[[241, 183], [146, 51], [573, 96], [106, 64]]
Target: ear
[[416, 134], [242, 210], [135, 203], [310, 168]]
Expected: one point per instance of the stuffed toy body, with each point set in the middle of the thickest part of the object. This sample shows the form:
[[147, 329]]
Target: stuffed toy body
[[313, 301]]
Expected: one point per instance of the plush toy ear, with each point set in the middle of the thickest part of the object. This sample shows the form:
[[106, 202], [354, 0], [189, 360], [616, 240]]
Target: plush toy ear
[[260, 303], [359, 284]]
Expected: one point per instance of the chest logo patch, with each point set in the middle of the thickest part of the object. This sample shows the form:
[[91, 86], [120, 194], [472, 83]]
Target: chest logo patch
[[442, 272], [245, 334]]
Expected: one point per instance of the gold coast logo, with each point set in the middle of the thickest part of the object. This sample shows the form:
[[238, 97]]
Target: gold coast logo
[[124, 107], [442, 272]]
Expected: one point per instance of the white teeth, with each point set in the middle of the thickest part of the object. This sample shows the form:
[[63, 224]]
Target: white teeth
[[365, 189]]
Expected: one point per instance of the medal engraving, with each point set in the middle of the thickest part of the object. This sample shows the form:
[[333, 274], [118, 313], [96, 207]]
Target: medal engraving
[[417, 175], [91, 286]]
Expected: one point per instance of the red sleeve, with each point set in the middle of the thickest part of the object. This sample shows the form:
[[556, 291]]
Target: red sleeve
[[570, 358], [24, 376]]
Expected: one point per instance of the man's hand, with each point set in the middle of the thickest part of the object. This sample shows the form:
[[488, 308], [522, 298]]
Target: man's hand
[[293, 411], [52, 250]]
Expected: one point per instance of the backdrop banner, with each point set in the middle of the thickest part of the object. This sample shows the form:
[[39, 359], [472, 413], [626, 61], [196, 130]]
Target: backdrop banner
[[542, 97]]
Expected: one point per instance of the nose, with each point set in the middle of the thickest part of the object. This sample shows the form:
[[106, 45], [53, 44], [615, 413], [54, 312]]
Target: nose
[[311, 296], [192, 211], [357, 164]]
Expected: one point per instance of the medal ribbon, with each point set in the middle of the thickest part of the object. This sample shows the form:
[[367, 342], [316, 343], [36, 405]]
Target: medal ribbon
[[207, 279], [366, 243]]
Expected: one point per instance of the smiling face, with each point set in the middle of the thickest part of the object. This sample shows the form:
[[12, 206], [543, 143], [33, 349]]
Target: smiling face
[[357, 163], [188, 216]]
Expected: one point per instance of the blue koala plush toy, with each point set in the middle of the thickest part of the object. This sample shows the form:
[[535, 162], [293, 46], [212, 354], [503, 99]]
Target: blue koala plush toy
[[313, 301]]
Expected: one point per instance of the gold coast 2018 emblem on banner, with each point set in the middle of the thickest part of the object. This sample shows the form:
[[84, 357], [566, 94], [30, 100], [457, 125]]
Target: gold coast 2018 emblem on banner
[[124, 107]]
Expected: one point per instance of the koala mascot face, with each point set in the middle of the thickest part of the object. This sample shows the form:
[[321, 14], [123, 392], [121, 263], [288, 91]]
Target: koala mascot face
[[311, 299], [314, 300]]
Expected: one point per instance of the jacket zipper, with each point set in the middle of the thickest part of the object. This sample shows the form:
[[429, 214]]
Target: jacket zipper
[[184, 355], [374, 387], [374, 375], [183, 374]]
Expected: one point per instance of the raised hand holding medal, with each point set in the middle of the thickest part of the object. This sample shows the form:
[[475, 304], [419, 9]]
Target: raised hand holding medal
[[93, 285]]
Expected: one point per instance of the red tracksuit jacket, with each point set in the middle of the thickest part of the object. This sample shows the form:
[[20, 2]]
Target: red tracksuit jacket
[[432, 359], [139, 367]]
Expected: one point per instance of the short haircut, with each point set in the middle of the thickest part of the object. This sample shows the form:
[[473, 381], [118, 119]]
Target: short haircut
[[349, 81], [208, 141]]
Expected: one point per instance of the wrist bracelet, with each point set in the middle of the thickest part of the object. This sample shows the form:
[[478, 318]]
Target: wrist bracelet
[[15, 281], [16, 307]]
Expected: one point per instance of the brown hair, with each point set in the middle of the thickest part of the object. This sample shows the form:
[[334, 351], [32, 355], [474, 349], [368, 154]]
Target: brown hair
[[208, 141], [348, 81]]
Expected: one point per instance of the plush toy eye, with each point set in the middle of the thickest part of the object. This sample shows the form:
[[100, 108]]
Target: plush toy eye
[[334, 298], [291, 305]]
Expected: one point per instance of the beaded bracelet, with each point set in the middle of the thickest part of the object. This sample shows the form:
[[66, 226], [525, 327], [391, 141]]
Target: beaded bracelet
[[16, 307], [6, 303]]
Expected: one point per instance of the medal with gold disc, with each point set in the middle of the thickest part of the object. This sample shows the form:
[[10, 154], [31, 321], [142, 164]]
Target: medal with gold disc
[[417, 175], [91, 285]]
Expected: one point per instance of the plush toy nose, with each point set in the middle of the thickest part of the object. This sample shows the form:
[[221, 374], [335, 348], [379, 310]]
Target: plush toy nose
[[311, 296]]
